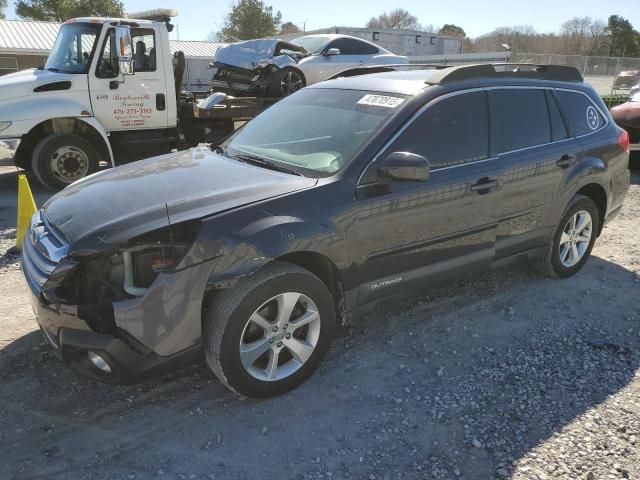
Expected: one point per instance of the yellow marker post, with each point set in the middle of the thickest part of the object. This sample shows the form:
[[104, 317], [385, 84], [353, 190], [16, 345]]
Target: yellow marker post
[[26, 209]]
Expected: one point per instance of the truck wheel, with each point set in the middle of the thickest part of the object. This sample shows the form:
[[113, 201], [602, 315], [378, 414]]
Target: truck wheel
[[573, 240], [60, 159], [269, 333], [285, 82]]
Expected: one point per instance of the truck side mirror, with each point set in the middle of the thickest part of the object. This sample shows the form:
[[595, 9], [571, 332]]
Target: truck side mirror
[[125, 50], [404, 166]]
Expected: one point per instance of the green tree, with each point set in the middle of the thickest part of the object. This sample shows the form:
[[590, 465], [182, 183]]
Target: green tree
[[289, 27], [61, 10], [624, 39], [250, 19], [395, 19], [453, 30], [3, 5]]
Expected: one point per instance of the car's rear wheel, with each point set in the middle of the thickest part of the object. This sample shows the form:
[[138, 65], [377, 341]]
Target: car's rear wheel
[[60, 159], [573, 239], [285, 82], [268, 334]]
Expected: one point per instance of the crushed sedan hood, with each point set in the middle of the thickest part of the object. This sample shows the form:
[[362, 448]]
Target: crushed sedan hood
[[249, 53], [111, 207]]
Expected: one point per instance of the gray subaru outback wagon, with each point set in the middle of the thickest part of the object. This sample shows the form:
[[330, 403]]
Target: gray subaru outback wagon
[[342, 194]]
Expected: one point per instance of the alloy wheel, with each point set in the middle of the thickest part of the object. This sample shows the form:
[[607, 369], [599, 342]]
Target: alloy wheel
[[280, 336], [291, 82], [575, 238]]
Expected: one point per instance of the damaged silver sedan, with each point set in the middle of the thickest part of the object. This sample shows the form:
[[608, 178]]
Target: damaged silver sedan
[[277, 68]]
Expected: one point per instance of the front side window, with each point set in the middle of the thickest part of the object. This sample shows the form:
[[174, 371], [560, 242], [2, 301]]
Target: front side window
[[583, 116], [144, 50], [316, 131], [73, 48], [108, 60], [454, 131], [347, 46], [519, 119]]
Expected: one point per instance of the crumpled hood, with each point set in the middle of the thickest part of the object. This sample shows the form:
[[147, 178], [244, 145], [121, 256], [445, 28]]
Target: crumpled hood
[[113, 206], [248, 53], [21, 84]]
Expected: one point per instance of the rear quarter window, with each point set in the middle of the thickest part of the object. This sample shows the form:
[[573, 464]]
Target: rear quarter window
[[582, 115]]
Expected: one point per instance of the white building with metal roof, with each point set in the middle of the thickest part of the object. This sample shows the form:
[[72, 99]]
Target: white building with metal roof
[[26, 44]]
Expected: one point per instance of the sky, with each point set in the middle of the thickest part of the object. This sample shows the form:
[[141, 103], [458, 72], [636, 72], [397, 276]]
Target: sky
[[197, 18]]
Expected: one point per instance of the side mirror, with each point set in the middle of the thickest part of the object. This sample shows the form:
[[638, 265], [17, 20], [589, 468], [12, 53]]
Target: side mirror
[[404, 166], [331, 52], [125, 50]]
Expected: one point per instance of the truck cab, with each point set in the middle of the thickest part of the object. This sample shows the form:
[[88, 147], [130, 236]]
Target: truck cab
[[107, 93]]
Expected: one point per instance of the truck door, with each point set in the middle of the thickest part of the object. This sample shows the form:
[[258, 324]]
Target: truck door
[[131, 102]]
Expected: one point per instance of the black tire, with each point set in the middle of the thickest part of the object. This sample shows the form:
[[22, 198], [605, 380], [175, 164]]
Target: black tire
[[224, 327], [550, 264], [82, 159], [288, 75]]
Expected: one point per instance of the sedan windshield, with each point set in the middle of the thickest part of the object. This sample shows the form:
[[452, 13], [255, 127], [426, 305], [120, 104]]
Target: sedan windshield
[[311, 43], [73, 49], [316, 131]]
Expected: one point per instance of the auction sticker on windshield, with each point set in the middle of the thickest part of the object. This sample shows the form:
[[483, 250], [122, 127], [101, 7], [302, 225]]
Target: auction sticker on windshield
[[380, 101]]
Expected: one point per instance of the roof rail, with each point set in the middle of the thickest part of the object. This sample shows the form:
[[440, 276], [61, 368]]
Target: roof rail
[[451, 73], [562, 73]]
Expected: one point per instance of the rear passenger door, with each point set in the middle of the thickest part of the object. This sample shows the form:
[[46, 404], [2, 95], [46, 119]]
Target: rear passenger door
[[429, 231], [529, 136]]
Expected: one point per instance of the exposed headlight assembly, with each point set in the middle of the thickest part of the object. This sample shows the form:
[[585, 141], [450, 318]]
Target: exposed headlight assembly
[[155, 253], [4, 125]]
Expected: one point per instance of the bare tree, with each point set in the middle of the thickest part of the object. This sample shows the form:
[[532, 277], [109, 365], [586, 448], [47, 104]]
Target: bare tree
[[395, 19]]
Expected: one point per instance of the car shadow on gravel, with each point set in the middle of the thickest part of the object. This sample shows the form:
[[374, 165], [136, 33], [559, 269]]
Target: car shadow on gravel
[[459, 383]]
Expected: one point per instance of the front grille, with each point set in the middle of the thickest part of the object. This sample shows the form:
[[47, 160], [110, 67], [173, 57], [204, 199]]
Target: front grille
[[42, 250]]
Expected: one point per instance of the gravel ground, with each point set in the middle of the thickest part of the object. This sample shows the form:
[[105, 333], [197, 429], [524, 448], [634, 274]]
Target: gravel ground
[[510, 375]]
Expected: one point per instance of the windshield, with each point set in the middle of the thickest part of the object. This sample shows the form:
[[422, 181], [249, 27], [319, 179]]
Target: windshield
[[310, 43], [73, 49], [315, 131]]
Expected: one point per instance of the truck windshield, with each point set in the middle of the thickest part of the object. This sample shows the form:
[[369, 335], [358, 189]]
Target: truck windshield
[[316, 131], [73, 50]]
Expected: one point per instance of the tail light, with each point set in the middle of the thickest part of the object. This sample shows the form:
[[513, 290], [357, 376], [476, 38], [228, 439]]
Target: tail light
[[623, 140]]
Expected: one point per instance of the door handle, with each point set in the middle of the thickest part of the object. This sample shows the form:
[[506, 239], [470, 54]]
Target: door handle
[[160, 102], [361, 62], [566, 160], [113, 84], [484, 185]]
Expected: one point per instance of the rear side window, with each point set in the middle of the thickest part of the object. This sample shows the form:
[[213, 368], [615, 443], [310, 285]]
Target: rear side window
[[582, 115], [452, 132], [558, 129], [519, 119]]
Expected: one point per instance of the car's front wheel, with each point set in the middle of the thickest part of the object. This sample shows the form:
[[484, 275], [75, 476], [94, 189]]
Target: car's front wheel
[[573, 239], [285, 82], [268, 334]]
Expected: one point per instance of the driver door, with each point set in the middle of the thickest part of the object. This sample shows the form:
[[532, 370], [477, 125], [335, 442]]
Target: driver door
[[126, 102], [429, 232]]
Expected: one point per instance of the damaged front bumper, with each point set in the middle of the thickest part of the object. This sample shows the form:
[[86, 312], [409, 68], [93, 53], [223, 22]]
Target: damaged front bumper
[[237, 80], [128, 360], [136, 338]]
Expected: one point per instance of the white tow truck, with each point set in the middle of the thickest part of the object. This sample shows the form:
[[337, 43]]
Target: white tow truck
[[110, 91]]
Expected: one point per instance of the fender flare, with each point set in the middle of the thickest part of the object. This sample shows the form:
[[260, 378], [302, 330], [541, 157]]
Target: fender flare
[[102, 132]]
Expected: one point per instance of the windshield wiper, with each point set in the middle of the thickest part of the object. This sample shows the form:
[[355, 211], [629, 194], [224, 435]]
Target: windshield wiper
[[262, 162], [53, 69]]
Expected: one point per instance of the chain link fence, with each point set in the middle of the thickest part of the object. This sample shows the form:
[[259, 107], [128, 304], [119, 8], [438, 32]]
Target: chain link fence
[[601, 72]]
